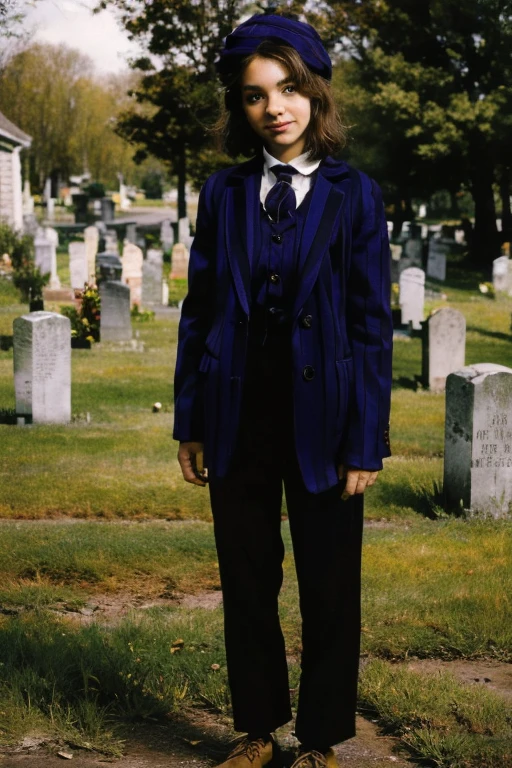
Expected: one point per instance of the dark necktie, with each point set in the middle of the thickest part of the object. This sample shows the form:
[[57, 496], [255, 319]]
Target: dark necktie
[[281, 201]]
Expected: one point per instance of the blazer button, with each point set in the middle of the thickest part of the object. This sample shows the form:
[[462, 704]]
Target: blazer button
[[277, 239], [308, 373], [307, 321], [274, 278]]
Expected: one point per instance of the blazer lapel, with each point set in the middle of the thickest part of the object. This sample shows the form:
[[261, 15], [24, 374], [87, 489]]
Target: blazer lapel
[[242, 226], [325, 205]]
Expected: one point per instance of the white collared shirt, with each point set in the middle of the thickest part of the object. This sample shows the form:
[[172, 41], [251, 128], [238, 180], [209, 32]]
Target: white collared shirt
[[301, 181]]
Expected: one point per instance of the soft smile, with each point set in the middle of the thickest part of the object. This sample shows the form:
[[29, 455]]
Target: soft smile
[[278, 127]]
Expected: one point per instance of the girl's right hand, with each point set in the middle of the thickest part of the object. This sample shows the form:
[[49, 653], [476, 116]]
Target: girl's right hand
[[190, 457]]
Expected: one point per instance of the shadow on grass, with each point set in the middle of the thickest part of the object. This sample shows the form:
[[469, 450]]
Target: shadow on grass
[[426, 500], [498, 335]]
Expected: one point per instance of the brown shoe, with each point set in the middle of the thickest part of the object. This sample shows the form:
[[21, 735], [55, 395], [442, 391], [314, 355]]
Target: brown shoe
[[255, 753], [314, 759]]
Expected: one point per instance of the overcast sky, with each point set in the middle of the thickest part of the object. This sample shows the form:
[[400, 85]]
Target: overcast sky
[[71, 22]]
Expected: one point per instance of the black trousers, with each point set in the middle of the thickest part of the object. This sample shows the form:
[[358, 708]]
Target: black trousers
[[327, 536]]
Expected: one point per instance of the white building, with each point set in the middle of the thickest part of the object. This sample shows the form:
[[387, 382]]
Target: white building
[[12, 141]]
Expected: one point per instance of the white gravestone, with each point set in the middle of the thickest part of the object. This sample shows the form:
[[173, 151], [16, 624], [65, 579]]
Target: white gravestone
[[437, 254], [78, 268], [167, 235], [91, 239], [412, 296], [184, 232], [155, 256], [52, 236], [443, 348], [132, 260], [115, 323], [179, 262], [151, 283], [111, 241], [43, 253], [165, 294], [42, 367], [501, 274], [478, 439]]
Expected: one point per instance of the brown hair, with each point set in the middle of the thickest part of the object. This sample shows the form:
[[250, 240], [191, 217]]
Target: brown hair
[[325, 134]]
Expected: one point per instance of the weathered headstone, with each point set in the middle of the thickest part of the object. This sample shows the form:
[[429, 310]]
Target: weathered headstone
[[151, 283], [179, 262], [443, 348], [155, 255], [42, 367], [478, 439], [53, 237], [131, 233], [167, 235], [437, 254], [412, 296], [115, 312], [165, 294], [107, 209], [111, 241], [91, 239], [501, 274], [184, 232], [43, 250], [109, 267], [78, 270], [132, 270]]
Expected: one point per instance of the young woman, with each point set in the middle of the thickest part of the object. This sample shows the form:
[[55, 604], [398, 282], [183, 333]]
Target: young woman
[[283, 376]]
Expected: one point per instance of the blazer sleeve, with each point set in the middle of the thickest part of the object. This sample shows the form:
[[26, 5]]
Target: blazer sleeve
[[370, 332], [195, 323]]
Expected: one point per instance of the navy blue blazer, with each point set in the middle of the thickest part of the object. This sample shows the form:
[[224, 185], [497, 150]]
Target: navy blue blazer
[[341, 355]]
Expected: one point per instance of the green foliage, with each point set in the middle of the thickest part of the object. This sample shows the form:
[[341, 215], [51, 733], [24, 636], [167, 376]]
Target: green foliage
[[85, 323], [27, 278], [96, 190], [141, 315]]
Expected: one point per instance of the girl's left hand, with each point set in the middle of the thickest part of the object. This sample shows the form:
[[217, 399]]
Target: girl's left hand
[[357, 480]]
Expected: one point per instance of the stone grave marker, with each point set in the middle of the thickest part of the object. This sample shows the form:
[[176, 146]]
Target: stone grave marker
[[43, 252], [167, 235], [115, 324], [478, 439], [111, 241], [132, 270], [131, 233], [396, 255], [42, 367], [412, 296], [501, 274], [151, 283], [155, 255], [107, 209], [443, 347], [78, 267], [184, 232], [91, 239], [53, 238], [179, 262], [437, 254]]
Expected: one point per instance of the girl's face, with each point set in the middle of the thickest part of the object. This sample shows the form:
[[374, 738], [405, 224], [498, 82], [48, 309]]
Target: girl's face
[[275, 110]]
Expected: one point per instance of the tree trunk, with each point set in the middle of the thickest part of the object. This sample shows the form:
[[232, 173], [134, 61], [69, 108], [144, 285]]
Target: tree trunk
[[182, 180], [485, 247], [506, 212]]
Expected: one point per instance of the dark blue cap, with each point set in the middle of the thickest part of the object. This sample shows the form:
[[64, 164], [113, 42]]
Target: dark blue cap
[[303, 37]]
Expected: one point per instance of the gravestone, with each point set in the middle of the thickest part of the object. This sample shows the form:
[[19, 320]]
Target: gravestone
[[437, 254], [42, 367], [412, 255], [443, 347], [107, 209], [43, 252], [179, 262], [478, 439], [501, 274], [111, 241], [109, 267], [131, 233], [184, 232], [155, 255], [78, 268], [396, 255], [412, 296], [132, 270], [167, 235], [91, 239], [115, 320], [53, 237], [151, 283], [165, 294]]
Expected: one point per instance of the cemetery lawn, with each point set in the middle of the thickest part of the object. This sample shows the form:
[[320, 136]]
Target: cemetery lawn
[[104, 551]]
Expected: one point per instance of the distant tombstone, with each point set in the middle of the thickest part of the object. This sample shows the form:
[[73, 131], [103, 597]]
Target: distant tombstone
[[443, 347], [184, 232], [53, 238], [167, 235], [115, 323], [413, 252], [405, 231], [91, 239], [478, 439], [165, 294], [422, 211], [396, 253], [132, 270], [151, 283], [501, 274], [43, 252], [78, 268], [109, 267], [107, 209], [28, 200], [111, 241], [131, 233], [412, 296], [80, 204], [42, 367], [437, 254], [155, 255], [179, 262]]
